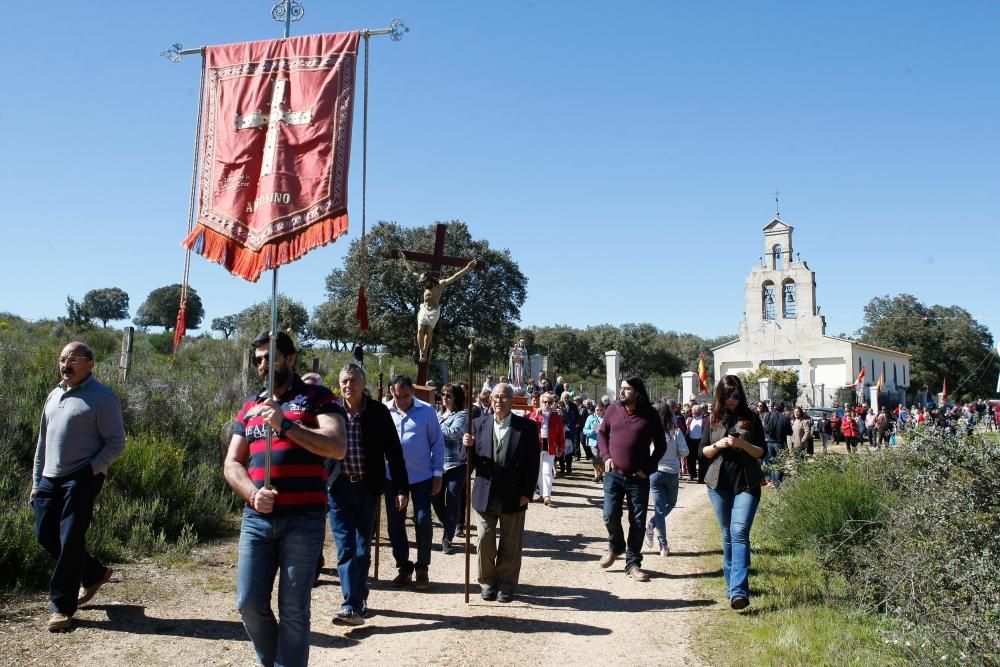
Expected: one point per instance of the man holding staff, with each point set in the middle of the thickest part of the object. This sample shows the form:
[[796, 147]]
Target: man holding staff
[[504, 449], [283, 524], [372, 442]]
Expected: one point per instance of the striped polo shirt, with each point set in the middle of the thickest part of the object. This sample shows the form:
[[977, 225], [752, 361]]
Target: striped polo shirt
[[297, 474]]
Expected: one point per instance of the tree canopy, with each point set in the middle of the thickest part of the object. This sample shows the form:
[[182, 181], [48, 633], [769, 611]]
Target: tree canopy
[[946, 343], [105, 304], [486, 302], [161, 306], [292, 317], [226, 325]]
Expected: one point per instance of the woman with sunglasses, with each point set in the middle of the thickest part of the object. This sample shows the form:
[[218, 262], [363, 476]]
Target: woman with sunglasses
[[731, 449], [448, 503], [551, 440]]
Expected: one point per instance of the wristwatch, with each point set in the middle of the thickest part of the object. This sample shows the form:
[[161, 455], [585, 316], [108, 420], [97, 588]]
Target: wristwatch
[[286, 426]]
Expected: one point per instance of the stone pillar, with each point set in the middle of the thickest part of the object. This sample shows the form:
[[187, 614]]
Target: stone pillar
[[612, 362], [765, 389], [873, 399], [538, 362], [689, 385]]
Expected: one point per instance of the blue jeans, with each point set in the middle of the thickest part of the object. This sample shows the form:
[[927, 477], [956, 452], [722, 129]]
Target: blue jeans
[[290, 546], [420, 498], [635, 492], [63, 508], [735, 512], [352, 522], [663, 486], [449, 504], [774, 450]]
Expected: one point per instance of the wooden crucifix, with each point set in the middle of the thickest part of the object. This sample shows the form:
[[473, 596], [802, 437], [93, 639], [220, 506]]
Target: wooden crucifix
[[433, 284]]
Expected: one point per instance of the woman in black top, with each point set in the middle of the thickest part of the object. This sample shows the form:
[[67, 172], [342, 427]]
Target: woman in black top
[[731, 449]]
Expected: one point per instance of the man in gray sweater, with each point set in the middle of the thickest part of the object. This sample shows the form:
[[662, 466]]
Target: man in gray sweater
[[80, 435]]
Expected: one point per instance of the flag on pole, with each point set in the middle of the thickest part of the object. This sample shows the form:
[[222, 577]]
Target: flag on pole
[[702, 375], [861, 377], [944, 390], [881, 382], [275, 148]]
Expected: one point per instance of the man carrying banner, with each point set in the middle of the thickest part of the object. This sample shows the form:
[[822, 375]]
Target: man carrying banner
[[283, 525]]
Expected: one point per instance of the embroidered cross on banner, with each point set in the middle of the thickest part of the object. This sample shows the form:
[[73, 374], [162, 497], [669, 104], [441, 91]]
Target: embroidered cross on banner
[[272, 120]]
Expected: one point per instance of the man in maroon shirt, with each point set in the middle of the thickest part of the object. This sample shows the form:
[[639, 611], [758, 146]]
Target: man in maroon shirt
[[623, 440]]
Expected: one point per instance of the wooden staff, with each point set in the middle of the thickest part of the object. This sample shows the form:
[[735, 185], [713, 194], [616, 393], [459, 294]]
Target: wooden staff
[[468, 478], [378, 503]]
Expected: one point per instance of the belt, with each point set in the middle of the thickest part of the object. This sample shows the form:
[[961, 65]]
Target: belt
[[354, 478]]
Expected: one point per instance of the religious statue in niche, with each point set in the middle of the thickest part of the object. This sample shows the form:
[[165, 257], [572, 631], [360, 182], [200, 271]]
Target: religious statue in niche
[[430, 307], [518, 364]]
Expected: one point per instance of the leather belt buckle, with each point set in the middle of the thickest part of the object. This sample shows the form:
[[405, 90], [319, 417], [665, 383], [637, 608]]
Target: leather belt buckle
[[355, 478]]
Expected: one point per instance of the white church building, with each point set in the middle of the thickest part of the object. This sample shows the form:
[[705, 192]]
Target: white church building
[[783, 329]]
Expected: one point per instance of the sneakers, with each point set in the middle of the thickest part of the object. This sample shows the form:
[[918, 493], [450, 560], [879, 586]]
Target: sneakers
[[608, 558], [547, 500], [664, 550], [404, 577], [446, 547], [60, 622], [488, 593], [422, 581], [505, 597], [347, 616], [637, 574], [90, 591], [739, 602], [650, 534]]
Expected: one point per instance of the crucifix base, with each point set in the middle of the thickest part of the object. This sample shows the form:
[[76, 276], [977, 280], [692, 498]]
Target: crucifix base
[[422, 372], [424, 393]]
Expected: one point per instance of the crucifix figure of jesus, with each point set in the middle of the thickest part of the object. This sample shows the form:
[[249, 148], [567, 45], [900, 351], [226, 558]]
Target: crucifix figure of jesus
[[433, 284]]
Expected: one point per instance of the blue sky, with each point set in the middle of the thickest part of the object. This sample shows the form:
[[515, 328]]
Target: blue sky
[[627, 153]]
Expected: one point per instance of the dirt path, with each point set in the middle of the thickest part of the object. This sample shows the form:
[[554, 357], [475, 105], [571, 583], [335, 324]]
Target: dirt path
[[568, 610]]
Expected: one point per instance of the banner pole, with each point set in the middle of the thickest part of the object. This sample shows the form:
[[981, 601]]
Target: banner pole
[[468, 477], [271, 351]]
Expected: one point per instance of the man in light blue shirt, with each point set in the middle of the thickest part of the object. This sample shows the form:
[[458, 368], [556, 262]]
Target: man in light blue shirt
[[423, 449]]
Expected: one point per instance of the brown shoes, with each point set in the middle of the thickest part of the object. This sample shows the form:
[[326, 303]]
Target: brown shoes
[[90, 591], [638, 574], [608, 558], [547, 500]]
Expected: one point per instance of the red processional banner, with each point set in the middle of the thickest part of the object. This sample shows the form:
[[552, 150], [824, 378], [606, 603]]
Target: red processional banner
[[276, 142]]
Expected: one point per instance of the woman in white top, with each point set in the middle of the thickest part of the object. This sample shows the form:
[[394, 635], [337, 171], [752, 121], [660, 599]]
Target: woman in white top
[[665, 482]]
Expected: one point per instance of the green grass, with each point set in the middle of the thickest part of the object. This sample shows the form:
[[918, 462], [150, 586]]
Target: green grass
[[798, 615]]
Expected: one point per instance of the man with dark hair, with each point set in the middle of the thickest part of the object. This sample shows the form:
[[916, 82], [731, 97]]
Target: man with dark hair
[[80, 436], [777, 430], [505, 457], [356, 485], [283, 523], [623, 439], [423, 450]]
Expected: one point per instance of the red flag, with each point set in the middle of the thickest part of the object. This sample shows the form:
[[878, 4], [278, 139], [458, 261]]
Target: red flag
[[861, 377], [275, 149], [180, 328], [362, 312], [702, 375], [944, 390]]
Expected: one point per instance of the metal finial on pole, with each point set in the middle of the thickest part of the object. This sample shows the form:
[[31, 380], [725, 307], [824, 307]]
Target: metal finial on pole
[[287, 11]]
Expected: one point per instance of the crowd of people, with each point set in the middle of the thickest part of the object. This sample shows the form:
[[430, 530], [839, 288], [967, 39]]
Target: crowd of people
[[302, 456]]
